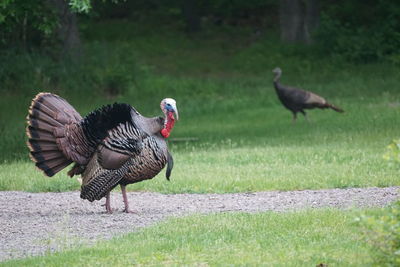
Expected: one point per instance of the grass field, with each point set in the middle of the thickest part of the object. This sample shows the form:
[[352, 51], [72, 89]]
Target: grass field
[[239, 169], [304, 238], [246, 141]]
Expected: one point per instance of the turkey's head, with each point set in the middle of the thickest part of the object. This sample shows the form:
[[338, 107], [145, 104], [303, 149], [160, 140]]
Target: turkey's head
[[278, 72], [168, 107]]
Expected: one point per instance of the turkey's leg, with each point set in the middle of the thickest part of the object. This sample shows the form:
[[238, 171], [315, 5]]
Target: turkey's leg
[[125, 198], [108, 205], [305, 115], [294, 117]]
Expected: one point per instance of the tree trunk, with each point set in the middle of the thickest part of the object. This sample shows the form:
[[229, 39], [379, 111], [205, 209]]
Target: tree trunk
[[67, 31], [291, 20], [311, 21], [190, 12], [298, 19]]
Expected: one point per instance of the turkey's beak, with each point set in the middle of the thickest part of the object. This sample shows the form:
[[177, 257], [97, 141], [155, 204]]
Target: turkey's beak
[[175, 110], [176, 113]]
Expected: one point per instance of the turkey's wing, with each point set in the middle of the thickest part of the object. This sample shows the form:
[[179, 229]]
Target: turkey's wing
[[110, 159], [122, 142]]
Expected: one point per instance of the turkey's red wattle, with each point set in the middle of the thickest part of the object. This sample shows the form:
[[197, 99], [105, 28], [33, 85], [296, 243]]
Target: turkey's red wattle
[[164, 133], [169, 125]]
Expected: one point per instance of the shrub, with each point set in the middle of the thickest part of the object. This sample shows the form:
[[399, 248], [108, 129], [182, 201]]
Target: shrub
[[26, 23], [370, 34], [103, 69], [393, 151], [382, 233]]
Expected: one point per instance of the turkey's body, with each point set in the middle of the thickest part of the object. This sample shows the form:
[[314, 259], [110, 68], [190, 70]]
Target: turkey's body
[[296, 100], [113, 145], [97, 180]]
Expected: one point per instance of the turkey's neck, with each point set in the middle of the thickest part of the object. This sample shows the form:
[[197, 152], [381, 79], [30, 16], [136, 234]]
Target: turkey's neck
[[168, 124], [277, 77], [276, 82]]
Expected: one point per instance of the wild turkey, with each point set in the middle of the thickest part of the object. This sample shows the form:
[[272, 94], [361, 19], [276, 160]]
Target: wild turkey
[[111, 145], [296, 100]]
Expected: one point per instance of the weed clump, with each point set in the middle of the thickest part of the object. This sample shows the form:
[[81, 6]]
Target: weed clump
[[382, 234]]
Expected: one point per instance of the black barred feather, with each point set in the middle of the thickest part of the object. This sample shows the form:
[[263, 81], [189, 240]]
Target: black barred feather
[[98, 188], [97, 123], [126, 138]]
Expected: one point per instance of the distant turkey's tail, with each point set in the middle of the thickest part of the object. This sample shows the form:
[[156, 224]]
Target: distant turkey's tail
[[334, 108], [48, 113]]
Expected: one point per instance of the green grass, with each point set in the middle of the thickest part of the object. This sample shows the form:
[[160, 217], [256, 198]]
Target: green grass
[[227, 168], [250, 151], [223, 87], [23, 176], [304, 238]]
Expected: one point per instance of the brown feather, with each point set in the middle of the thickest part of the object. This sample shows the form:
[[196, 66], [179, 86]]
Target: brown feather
[[41, 116], [41, 156], [41, 108], [110, 159], [48, 114], [37, 134], [54, 162], [42, 125], [50, 171], [315, 99], [337, 109], [39, 146]]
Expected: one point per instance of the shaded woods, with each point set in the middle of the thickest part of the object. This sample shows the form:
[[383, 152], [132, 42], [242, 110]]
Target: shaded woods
[[359, 31]]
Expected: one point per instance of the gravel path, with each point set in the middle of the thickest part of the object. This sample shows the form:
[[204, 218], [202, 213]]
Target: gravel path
[[35, 223]]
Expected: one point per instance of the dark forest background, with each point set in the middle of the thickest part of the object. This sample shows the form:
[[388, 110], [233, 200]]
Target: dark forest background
[[359, 31]]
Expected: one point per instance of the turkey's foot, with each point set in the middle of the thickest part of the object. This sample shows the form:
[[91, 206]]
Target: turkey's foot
[[127, 210], [109, 210], [125, 198]]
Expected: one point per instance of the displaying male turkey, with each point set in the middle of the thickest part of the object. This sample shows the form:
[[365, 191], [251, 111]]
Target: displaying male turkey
[[113, 145], [296, 100]]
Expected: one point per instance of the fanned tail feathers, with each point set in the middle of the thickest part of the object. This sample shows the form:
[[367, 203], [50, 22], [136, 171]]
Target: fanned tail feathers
[[47, 113]]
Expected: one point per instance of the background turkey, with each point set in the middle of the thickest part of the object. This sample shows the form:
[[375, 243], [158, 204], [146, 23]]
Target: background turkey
[[296, 100], [110, 146]]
